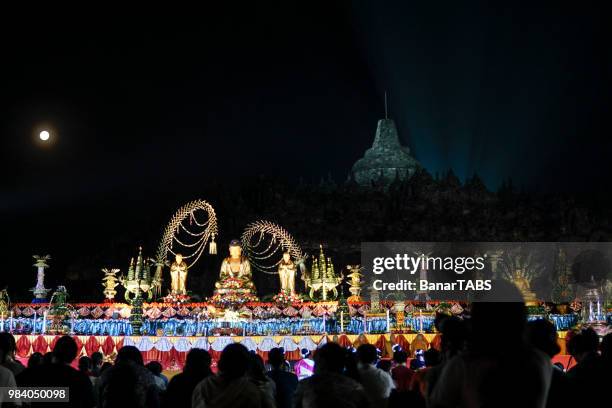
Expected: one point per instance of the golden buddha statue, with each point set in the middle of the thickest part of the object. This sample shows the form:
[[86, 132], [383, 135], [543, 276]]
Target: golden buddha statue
[[523, 283], [178, 275], [286, 273], [235, 279]]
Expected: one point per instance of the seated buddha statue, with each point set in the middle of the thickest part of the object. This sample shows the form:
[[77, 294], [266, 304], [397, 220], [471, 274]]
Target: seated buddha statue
[[235, 279]]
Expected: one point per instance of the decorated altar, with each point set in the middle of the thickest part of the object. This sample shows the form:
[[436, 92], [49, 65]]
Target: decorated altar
[[194, 319], [165, 326]]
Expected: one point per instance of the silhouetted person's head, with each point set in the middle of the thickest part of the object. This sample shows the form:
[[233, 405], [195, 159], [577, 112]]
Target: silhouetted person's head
[[329, 358], [7, 346], [384, 365], [35, 360], [3, 351], [65, 350], [97, 359], [438, 319], [415, 364], [454, 334], [606, 347], [105, 365], [198, 361], [85, 364], [256, 369], [129, 353], [155, 368], [367, 354], [276, 358], [490, 316], [125, 381], [542, 335], [49, 358], [234, 361], [431, 357], [582, 344], [350, 363], [400, 357]]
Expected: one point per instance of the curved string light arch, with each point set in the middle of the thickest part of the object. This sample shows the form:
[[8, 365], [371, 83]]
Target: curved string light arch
[[188, 232], [262, 240]]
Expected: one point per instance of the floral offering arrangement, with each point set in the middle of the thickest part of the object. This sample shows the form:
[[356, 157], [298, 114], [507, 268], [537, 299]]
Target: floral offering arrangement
[[287, 298]]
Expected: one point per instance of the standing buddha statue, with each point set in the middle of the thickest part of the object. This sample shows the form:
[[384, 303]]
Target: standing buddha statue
[[286, 273], [178, 275]]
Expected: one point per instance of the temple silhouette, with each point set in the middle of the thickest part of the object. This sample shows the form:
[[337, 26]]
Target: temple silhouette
[[386, 161]]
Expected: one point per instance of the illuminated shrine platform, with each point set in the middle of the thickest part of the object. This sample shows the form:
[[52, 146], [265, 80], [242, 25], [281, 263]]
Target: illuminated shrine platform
[[204, 319], [252, 319], [169, 331]]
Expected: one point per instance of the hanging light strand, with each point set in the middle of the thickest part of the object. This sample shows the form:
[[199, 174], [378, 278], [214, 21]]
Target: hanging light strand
[[280, 239], [193, 234], [204, 232]]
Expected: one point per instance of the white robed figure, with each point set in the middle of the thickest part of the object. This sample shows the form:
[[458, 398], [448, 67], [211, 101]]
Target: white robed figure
[[286, 273]]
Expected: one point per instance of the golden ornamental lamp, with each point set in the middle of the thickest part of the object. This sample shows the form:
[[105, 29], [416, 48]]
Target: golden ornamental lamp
[[139, 281], [355, 282], [323, 278], [110, 281]]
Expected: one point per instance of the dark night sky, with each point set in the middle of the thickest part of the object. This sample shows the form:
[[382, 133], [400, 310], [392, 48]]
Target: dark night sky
[[146, 106]]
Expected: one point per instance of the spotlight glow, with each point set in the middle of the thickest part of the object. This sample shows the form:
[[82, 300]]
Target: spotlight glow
[[44, 135]]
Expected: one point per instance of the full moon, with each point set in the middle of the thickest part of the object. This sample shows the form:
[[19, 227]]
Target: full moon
[[44, 135]]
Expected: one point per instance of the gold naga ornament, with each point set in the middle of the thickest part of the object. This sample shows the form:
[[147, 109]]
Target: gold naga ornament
[[138, 283], [323, 278]]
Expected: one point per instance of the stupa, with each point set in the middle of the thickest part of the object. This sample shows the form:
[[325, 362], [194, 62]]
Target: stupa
[[386, 161]]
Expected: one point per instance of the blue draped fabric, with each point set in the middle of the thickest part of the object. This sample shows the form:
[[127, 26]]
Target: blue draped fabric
[[96, 327], [371, 325], [416, 321], [102, 327], [561, 322], [191, 327], [564, 322], [24, 325]]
